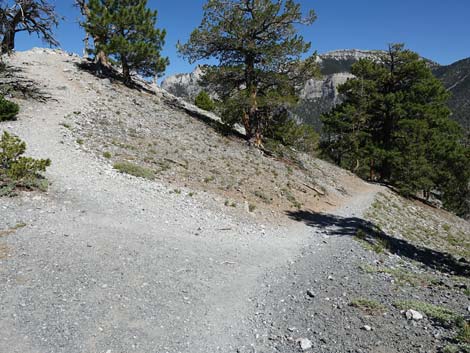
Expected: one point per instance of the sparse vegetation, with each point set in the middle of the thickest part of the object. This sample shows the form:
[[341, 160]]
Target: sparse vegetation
[[463, 335], [209, 179], [403, 276], [439, 314], [456, 349], [368, 305], [135, 170], [419, 225], [66, 125], [17, 171]]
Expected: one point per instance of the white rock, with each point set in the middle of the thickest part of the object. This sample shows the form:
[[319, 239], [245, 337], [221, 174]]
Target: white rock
[[305, 344], [367, 328], [414, 315]]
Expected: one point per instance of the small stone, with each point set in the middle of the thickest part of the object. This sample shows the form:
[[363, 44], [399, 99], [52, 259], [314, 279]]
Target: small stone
[[330, 278], [414, 315], [468, 309], [367, 328], [305, 344], [312, 295]]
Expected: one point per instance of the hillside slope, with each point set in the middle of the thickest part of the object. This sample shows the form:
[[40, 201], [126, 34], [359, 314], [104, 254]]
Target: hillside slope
[[214, 252]]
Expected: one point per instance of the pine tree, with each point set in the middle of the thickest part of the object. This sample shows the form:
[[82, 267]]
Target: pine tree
[[127, 34], [204, 101], [258, 49], [101, 60], [32, 16], [8, 110], [394, 126]]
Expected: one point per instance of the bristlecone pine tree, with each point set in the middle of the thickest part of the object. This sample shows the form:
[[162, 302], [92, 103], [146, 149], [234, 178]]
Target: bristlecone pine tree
[[259, 71], [32, 16], [127, 34], [101, 60], [393, 126]]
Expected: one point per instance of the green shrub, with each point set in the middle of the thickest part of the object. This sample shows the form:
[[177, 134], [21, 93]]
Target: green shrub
[[205, 102], [17, 171], [8, 110], [135, 170]]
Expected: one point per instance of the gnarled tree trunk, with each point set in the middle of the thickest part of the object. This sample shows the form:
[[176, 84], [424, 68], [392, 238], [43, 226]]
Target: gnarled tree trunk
[[101, 59]]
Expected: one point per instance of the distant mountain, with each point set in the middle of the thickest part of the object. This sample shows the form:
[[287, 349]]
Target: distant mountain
[[321, 95], [456, 78], [184, 86]]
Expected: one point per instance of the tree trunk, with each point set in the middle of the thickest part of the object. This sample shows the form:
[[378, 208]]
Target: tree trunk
[[126, 72], [8, 42], [86, 45], [250, 115], [371, 170], [101, 59], [247, 126]]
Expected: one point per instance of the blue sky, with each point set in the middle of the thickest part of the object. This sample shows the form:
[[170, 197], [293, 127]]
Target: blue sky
[[437, 29]]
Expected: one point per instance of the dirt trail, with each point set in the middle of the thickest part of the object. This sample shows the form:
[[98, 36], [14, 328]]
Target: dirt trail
[[110, 263]]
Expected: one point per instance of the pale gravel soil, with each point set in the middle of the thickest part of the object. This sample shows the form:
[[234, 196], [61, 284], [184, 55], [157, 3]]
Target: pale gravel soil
[[115, 264]]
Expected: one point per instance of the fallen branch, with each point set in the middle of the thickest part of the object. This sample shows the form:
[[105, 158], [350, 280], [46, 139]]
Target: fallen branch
[[184, 165], [314, 189]]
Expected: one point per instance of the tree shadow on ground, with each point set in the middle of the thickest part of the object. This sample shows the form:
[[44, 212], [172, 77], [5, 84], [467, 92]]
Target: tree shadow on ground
[[103, 72], [13, 82], [370, 233]]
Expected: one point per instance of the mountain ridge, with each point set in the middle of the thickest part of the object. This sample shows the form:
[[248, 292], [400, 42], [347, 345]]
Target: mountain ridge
[[320, 95]]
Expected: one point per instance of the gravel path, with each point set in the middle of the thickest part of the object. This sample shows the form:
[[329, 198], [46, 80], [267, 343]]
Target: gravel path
[[110, 263]]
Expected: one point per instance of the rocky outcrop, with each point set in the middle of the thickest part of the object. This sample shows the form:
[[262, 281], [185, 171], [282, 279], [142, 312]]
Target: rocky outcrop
[[320, 95], [185, 86], [327, 87]]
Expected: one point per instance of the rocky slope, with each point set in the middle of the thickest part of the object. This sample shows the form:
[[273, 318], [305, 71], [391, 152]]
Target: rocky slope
[[456, 78], [320, 95], [217, 248]]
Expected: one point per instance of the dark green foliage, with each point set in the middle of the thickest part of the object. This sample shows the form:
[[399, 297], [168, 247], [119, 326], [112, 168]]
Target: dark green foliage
[[301, 137], [127, 33], [394, 127], [204, 101], [258, 50], [8, 110], [17, 171]]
